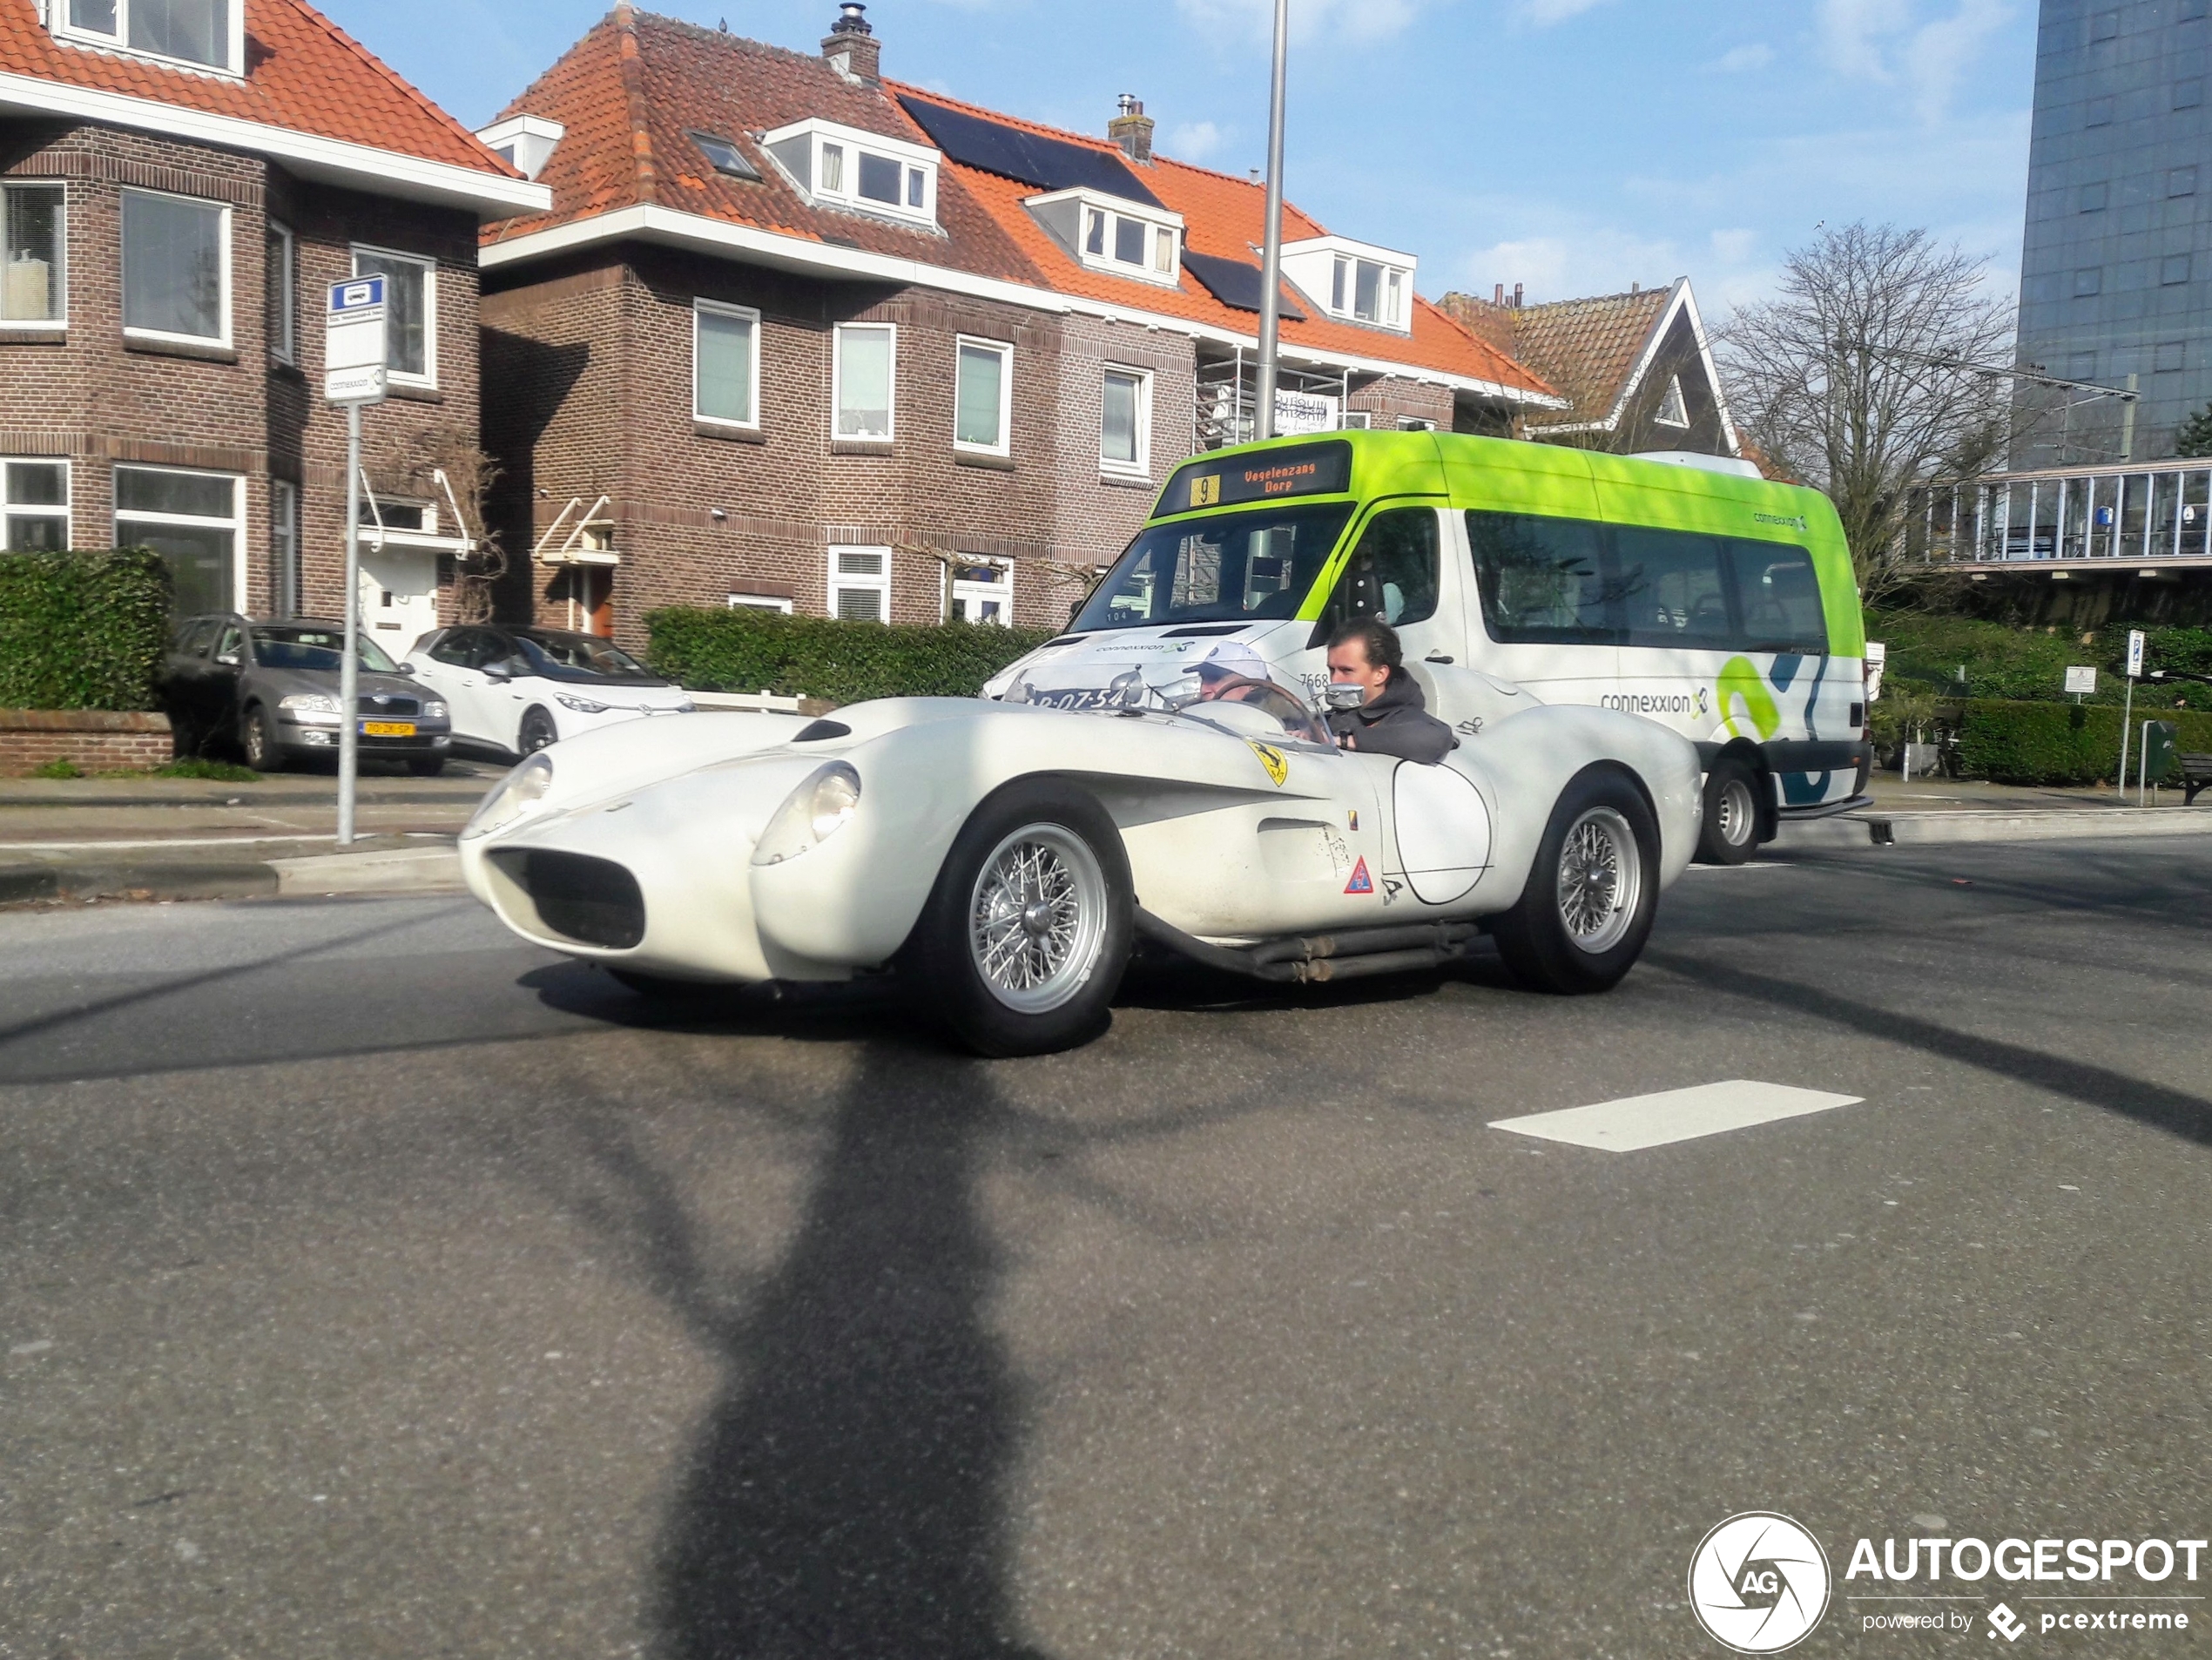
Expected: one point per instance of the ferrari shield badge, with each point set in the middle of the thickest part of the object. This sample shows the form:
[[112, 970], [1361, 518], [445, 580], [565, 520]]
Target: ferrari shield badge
[[1361, 882], [1277, 763]]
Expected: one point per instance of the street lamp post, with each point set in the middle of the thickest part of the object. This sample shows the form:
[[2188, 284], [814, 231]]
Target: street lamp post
[[1271, 280]]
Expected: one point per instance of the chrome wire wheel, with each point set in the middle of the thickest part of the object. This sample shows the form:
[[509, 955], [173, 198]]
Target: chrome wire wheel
[[1601, 880], [1735, 811], [1037, 918]]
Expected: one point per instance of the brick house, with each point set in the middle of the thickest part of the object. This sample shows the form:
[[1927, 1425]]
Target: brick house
[[798, 336], [182, 179], [1637, 368]]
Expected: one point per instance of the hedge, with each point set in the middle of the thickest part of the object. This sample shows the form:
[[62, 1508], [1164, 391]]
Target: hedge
[[819, 656], [2061, 744], [82, 631], [1928, 649]]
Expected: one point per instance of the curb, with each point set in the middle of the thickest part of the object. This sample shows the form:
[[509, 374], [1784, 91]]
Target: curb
[[1920, 829], [403, 871]]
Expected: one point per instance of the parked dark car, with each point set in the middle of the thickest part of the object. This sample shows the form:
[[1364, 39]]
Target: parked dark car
[[271, 688]]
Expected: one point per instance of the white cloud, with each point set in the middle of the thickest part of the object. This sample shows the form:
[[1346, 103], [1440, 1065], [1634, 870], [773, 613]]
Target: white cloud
[[1742, 59], [1193, 140], [1909, 44], [1545, 13], [1734, 247]]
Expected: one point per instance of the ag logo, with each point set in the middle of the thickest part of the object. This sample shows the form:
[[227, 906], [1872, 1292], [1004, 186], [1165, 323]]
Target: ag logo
[[1277, 763], [1759, 1582]]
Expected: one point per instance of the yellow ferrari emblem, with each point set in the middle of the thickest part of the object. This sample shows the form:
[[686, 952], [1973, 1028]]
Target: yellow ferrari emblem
[[1277, 763]]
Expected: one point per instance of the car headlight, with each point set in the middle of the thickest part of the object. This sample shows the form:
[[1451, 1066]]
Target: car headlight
[[310, 708], [582, 706], [434, 710], [811, 815], [512, 796]]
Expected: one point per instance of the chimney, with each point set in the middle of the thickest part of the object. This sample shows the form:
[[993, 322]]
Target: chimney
[[1516, 296], [1132, 130], [851, 45], [1498, 295]]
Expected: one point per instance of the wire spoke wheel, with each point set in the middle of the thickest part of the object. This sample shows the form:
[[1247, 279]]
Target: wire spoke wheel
[[1601, 880], [1036, 919]]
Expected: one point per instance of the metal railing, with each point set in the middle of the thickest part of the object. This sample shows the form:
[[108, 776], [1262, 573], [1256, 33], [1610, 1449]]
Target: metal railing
[[2143, 512]]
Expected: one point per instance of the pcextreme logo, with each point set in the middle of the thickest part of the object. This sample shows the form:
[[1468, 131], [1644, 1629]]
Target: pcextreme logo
[[1759, 1582]]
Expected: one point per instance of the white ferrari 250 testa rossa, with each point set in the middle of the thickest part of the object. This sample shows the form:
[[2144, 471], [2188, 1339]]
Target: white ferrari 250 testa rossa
[[1008, 855]]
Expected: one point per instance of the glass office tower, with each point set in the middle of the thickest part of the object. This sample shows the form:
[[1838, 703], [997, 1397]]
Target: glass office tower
[[2116, 269]]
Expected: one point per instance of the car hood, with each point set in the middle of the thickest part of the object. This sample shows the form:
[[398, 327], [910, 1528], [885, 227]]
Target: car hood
[[283, 682]]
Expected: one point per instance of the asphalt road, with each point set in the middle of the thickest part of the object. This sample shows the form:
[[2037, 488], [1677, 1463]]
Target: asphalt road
[[371, 1285]]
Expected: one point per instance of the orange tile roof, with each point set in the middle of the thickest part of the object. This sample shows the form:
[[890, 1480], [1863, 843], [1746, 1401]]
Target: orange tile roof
[[636, 85], [1589, 348], [304, 74]]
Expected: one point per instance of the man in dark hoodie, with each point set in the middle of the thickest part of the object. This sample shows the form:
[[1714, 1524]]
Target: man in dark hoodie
[[1393, 719]]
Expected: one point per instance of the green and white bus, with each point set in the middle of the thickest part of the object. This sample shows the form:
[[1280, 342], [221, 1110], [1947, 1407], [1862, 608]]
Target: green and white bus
[[1684, 588]]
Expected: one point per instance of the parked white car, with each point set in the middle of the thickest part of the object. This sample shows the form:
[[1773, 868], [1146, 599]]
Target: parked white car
[[1009, 855], [518, 690]]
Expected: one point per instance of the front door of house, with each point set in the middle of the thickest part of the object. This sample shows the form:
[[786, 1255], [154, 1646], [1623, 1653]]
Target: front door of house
[[399, 597]]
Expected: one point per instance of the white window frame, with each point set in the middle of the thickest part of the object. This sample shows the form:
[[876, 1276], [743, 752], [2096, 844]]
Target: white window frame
[[716, 308], [39, 510], [818, 135], [837, 386], [286, 350], [1319, 264], [233, 69], [1004, 350], [235, 523], [226, 219], [1001, 588], [1141, 467], [427, 380], [759, 602], [1671, 399], [840, 581], [48, 323]]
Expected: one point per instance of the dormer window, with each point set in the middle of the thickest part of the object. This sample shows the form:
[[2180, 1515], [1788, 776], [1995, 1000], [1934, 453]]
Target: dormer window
[[840, 166], [1111, 233], [207, 34], [524, 142], [1360, 283]]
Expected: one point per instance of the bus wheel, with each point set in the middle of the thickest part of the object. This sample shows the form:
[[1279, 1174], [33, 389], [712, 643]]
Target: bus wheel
[[1729, 833]]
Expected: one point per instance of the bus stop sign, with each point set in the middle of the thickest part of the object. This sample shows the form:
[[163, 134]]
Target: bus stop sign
[[353, 352]]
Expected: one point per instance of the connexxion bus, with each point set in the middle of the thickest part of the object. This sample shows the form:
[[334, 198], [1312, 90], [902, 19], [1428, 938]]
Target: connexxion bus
[[1686, 589]]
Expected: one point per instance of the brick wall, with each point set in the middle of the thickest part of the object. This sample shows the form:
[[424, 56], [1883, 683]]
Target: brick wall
[[93, 740], [84, 393]]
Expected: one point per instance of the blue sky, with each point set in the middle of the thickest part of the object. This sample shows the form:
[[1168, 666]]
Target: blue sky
[[1572, 145]]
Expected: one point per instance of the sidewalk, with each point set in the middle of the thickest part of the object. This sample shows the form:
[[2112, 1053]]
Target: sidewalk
[[1928, 810]]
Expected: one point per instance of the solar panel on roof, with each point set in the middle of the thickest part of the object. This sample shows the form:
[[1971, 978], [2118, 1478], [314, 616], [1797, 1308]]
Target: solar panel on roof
[[1050, 164], [1234, 283]]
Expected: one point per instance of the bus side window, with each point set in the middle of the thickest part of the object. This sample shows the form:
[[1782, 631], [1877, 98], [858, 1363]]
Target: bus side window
[[1542, 580], [1392, 574], [1779, 594], [1674, 588]]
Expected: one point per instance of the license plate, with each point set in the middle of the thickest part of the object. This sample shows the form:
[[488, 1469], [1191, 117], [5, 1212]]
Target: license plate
[[387, 729]]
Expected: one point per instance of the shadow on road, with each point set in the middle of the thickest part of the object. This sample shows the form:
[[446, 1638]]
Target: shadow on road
[[843, 1493]]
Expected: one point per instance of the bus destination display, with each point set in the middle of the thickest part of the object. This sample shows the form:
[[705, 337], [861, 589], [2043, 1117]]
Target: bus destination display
[[1301, 469]]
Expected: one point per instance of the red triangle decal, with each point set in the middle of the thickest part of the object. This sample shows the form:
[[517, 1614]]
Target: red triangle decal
[[1361, 882]]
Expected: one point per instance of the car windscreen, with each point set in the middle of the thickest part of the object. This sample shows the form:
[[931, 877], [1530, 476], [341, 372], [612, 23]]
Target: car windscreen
[[1225, 568], [581, 654], [315, 648]]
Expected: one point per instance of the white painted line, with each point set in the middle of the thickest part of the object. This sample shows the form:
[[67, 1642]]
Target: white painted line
[[1642, 1121], [246, 840]]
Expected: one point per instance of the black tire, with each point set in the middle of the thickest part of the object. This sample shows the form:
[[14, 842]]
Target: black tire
[[1070, 942], [426, 766], [1555, 938], [538, 732], [257, 738], [1729, 833]]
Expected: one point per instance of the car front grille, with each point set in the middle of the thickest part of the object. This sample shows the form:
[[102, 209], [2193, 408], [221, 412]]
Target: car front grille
[[388, 706], [593, 901]]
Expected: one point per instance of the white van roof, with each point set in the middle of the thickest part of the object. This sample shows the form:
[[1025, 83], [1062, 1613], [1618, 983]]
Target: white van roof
[[1729, 464]]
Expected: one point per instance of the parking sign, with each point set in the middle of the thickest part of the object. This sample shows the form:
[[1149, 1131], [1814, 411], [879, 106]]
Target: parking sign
[[2134, 654]]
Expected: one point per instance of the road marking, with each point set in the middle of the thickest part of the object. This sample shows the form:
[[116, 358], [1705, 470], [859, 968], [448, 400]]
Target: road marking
[[1640, 1121], [243, 839]]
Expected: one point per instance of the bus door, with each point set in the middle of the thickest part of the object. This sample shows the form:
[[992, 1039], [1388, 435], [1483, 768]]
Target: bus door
[[1396, 571]]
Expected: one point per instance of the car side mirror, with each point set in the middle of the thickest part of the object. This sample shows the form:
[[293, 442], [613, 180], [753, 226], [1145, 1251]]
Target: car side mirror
[[498, 671], [404, 668], [228, 659], [1345, 694]]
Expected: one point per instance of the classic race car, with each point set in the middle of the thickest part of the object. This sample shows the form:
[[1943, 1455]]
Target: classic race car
[[1008, 855]]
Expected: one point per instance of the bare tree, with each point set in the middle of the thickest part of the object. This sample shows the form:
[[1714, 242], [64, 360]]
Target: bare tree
[[1878, 366], [411, 466]]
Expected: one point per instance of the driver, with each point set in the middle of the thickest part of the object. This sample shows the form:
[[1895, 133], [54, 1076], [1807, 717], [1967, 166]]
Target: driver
[[1227, 671], [1393, 719]]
